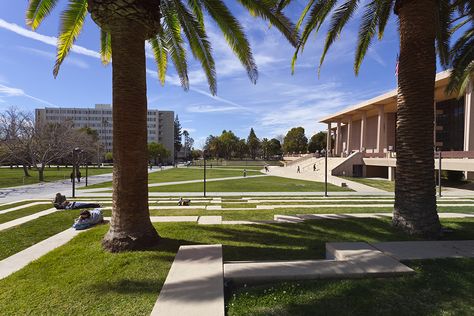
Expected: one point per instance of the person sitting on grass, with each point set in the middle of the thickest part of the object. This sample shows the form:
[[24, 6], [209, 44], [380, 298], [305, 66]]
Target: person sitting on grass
[[61, 203], [183, 202], [88, 219]]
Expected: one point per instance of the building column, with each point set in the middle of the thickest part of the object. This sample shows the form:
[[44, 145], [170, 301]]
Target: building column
[[328, 139], [338, 139], [380, 128], [391, 173], [349, 135], [469, 123], [363, 132]]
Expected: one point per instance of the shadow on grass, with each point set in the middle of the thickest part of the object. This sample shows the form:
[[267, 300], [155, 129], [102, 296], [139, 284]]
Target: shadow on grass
[[440, 287]]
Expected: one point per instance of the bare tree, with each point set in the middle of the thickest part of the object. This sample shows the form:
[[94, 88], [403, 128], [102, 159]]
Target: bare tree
[[16, 137]]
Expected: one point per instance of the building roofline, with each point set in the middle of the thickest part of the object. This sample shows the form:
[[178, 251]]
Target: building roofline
[[383, 99]]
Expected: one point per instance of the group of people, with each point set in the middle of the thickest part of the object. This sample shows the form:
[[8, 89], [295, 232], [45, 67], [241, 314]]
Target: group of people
[[87, 218], [78, 176]]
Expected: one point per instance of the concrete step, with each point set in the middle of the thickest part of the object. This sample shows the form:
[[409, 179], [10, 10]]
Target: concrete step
[[412, 250], [195, 283]]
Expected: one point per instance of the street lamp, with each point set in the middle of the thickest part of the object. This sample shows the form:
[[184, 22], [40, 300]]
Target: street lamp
[[74, 171], [325, 153], [204, 156]]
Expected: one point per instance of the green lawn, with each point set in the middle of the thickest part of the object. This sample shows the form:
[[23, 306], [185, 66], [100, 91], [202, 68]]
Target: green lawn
[[79, 278], [6, 217], [20, 237], [376, 183], [260, 184], [15, 177], [7, 206], [183, 174], [439, 287]]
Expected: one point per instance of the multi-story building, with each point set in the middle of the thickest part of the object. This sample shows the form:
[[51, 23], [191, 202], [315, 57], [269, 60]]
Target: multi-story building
[[367, 132], [99, 118]]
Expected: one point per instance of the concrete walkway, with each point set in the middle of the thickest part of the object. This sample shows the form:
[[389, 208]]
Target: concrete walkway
[[194, 285], [20, 207], [413, 250], [19, 260], [49, 189]]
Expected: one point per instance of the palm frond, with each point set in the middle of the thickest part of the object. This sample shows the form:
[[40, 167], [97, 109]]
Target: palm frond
[[444, 14], [385, 10], [105, 47], [161, 56], [339, 19], [267, 10], [234, 35], [174, 43], [366, 32], [72, 20], [197, 11], [37, 10], [198, 42], [462, 54]]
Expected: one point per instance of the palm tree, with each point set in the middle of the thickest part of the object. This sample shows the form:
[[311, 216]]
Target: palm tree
[[462, 52], [125, 26], [424, 29]]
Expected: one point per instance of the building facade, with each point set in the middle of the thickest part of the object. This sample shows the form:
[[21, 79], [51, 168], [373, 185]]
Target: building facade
[[160, 123], [369, 128]]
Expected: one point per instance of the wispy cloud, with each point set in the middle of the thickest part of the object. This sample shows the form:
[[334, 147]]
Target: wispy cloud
[[211, 108], [7, 91], [51, 56], [50, 40]]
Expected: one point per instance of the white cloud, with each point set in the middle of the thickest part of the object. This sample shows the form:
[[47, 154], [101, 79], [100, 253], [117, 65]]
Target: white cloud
[[211, 108], [52, 56], [50, 40], [6, 91]]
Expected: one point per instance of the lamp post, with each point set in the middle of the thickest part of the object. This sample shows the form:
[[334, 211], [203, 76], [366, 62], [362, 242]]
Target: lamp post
[[74, 171], [204, 156], [439, 172], [325, 172]]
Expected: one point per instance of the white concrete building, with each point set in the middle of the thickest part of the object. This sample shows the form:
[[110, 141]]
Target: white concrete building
[[99, 118]]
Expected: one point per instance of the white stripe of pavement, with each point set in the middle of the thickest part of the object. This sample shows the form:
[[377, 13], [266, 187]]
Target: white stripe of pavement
[[23, 206], [19, 260], [25, 219]]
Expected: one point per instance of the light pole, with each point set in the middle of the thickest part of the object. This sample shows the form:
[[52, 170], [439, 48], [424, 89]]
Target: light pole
[[204, 156], [439, 172], [74, 172]]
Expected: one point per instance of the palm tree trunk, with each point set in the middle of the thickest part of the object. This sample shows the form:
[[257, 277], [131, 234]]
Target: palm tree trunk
[[415, 191], [130, 227]]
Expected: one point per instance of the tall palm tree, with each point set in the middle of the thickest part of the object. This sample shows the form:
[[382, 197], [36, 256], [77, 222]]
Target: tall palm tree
[[424, 30], [125, 26], [462, 52]]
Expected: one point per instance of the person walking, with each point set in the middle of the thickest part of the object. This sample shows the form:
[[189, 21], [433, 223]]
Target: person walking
[[72, 176], [78, 174], [314, 167], [298, 170], [245, 173]]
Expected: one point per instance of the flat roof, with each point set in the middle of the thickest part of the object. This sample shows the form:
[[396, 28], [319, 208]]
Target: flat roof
[[388, 100]]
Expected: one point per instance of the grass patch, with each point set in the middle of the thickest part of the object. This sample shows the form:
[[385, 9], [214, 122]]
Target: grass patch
[[260, 184], [381, 184], [15, 177], [20, 237], [79, 278], [182, 174], [12, 205], [440, 287], [6, 217]]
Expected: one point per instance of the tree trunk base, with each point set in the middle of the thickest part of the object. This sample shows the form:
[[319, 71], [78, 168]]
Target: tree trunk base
[[428, 227], [139, 240]]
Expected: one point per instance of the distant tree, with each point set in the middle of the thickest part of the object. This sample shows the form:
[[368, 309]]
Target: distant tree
[[229, 142], [16, 128], [295, 141], [253, 144], [177, 136], [188, 144], [242, 149], [157, 152], [213, 147], [196, 154], [108, 156], [265, 144], [274, 148], [317, 142]]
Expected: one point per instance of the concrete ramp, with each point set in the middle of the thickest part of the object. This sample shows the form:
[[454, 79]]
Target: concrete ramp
[[195, 283]]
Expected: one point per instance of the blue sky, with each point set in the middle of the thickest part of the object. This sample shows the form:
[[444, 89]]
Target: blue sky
[[276, 103]]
